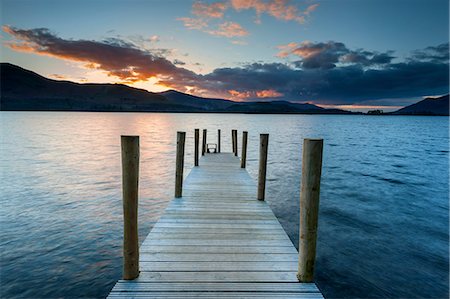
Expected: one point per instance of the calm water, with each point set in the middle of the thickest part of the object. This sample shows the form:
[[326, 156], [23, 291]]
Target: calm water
[[384, 215]]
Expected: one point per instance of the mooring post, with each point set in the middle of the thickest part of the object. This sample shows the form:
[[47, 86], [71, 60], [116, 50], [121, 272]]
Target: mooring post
[[196, 142], [309, 207], [204, 142], [218, 141], [244, 149], [181, 136], [263, 149], [130, 186], [233, 141]]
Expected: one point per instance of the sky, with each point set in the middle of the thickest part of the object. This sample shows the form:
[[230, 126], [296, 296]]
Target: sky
[[353, 54]]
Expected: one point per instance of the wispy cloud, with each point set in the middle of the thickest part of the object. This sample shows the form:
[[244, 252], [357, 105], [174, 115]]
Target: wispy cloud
[[194, 23], [213, 10], [280, 9], [229, 29], [205, 16], [326, 73]]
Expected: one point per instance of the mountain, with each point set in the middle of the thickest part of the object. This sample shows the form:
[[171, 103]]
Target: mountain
[[428, 106], [24, 90], [179, 98]]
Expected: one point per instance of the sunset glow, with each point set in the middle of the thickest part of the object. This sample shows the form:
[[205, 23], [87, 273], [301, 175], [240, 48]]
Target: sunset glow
[[240, 50]]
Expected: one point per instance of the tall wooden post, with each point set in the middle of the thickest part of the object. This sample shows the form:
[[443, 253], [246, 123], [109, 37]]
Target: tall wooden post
[[244, 149], [130, 187], [235, 143], [196, 145], [204, 142], [232, 141], [218, 141], [309, 207], [181, 136], [263, 149]]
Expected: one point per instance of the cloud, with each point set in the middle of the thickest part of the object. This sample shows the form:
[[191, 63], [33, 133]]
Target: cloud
[[116, 57], [205, 15], [194, 23], [229, 29], [326, 55], [438, 53], [213, 10], [258, 94], [280, 9], [178, 62], [327, 73], [239, 42], [154, 38]]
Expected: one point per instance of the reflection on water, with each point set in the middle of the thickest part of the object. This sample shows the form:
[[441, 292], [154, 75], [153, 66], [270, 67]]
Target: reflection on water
[[383, 228]]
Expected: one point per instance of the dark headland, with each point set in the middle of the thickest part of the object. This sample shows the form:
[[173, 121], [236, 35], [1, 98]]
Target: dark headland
[[24, 90]]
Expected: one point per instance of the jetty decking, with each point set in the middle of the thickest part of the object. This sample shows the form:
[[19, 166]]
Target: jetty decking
[[217, 241]]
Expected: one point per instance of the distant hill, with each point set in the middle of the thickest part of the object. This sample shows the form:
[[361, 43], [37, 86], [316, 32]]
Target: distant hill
[[428, 106], [24, 90], [179, 98]]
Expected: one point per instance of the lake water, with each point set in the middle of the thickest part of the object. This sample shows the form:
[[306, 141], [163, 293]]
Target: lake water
[[384, 211]]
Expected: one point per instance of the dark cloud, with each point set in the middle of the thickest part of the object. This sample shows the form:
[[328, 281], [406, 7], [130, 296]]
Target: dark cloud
[[328, 55], [117, 57], [327, 73], [178, 62], [436, 54]]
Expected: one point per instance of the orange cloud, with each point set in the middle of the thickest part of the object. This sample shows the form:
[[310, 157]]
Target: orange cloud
[[310, 9], [286, 49], [241, 95], [229, 29], [280, 9], [305, 49], [213, 10], [115, 57], [191, 23], [266, 93]]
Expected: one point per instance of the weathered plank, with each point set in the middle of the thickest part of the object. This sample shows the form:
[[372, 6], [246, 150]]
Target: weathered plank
[[217, 241], [215, 286]]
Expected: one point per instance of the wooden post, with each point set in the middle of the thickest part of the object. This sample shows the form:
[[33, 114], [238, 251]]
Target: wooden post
[[232, 140], [196, 142], [235, 143], [181, 136], [309, 207], [244, 149], [204, 142], [218, 141], [263, 149], [130, 186]]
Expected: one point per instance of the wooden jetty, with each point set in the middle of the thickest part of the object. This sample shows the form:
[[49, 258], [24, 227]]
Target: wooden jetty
[[215, 240]]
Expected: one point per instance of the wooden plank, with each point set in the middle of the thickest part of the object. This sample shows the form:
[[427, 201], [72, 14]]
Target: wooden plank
[[215, 236], [272, 225], [219, 257], [225, 231], [242, 295], [216, 249], [229, 276], [218, 266], [131, 286], [203, 242], [217, 241]]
